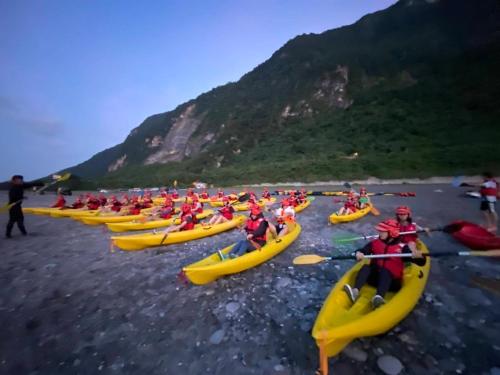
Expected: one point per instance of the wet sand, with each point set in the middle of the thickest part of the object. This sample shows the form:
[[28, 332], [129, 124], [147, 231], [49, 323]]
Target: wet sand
[[68, 305]]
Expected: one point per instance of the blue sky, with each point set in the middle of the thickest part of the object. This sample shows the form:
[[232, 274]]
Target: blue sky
[[77, 75]]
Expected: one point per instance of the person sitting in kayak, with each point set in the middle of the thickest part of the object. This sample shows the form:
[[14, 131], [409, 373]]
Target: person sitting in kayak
[[188, 221], [286, 209], [406, 224], [350, 205], [78, 203], [190, 193], [386, 273], [225, 213], [147, 200], [489, 192], [175, 194], [116, 205], [60, 202], [285, 220], [363, 199], [293, 199], [302, 197], [255, 228], [220, 193], [197, 206], [93, 203], [266, 194], [204, 194], [102, 199]]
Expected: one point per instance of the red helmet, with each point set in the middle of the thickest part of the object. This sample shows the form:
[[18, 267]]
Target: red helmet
[[195, 198], [403, 210], [255, 210], [390, 225], [285, 203], [185, 208]]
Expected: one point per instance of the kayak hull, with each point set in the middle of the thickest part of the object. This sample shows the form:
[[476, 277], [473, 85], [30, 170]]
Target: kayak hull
[[211, 268], [475, 237], [142, 241], [337, 219], [304, 205], [339, 322], [137, 225]]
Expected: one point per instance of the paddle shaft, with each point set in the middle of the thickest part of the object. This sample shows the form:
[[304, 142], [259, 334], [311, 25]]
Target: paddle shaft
[[409, 255]]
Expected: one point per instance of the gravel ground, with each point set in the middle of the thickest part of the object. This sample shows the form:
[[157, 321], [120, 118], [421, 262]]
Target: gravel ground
[[69, 305]]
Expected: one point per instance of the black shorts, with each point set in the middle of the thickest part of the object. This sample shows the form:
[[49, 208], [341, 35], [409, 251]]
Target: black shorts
[[488, 206]]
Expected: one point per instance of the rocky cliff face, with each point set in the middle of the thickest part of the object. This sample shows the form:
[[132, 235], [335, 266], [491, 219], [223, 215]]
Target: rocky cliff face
[[175, 144], [352, 88]]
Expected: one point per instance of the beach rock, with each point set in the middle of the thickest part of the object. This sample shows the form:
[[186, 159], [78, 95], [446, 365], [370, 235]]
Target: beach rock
[[389, 364], [217, 337], [232, 307], [355, 353], [344, 368], [283, 282]]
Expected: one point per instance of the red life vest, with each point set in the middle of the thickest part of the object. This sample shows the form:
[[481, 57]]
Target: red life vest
[[489, 191], [175, 195], [293, 201], [197, 207], [266, 195], [204, 195], [117, 206], [134, 211], [394, 265], [93, 204], [190, 225], [350, 205], [252, 225], [77, 204], [227, 212], [220, 194], [405, 238]]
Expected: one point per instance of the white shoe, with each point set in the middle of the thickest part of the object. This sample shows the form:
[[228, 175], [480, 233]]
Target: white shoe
[[352, 293]]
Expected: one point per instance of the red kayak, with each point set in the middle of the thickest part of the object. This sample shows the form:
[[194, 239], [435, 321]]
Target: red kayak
[[475, 237]]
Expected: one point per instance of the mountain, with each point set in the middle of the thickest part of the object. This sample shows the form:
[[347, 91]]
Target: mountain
[[410, 91]]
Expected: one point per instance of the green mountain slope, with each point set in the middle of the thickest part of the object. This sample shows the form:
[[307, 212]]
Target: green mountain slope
[[412, 89]]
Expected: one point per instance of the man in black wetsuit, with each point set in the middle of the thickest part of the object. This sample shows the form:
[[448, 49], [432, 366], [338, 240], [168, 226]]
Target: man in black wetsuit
[[16, 195]]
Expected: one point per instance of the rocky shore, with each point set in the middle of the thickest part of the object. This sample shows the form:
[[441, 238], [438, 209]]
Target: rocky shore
[[69, 305]]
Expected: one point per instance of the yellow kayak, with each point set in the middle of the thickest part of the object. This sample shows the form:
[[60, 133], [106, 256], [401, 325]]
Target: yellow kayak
[[141, 241], [304, 205], [70, 212], [339, 322], [246, 206], [336, 219], [138, 225], [111, 217], [40, 210], [211, 268]]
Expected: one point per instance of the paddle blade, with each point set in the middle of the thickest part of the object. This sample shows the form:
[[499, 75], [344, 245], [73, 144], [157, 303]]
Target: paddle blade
[[374, 211], [347, 185], [64, 177], [309, 259]]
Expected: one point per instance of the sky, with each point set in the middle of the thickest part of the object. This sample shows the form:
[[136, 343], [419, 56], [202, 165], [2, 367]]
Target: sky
[[77, 76]]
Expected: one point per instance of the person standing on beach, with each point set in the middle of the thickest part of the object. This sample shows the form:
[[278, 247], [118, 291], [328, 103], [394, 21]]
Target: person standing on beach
[[489, 192], [16, 196]]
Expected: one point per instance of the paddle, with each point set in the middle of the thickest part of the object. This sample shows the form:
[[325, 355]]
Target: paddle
[[374, 211], [450, 228], [64, 177], [315, 259], [8, 206]]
